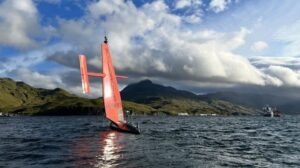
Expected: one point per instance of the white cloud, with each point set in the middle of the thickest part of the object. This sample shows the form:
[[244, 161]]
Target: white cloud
[[54, 80], [288, 76], [18, 23], [259, 46], [153, 44], [284, 70], [194, 18], [37, 79], [218, 5], [151, 41], [31, 58], [104, 7], [264, 61], [182, 4], [193, 12]]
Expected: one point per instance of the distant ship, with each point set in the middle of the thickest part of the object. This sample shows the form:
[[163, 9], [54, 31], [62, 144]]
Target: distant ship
[[5, 114], [271, 111], [183, 114]]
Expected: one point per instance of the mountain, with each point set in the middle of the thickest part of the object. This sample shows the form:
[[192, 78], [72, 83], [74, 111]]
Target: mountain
[[144, 90], [144, 97], [285, 104], [169, 100]]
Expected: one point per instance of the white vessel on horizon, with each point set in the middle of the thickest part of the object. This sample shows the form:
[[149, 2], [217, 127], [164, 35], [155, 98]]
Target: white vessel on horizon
[[271, 111]]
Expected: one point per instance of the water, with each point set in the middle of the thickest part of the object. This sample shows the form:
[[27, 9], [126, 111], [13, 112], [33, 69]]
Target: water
[[85, 141]]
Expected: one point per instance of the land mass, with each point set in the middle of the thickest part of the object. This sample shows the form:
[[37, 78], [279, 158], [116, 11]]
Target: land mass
[[143, 98], [285, 104]]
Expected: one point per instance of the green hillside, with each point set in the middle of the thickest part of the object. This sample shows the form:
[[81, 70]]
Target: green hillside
[[20, 98], [169, 100], [144, 97]]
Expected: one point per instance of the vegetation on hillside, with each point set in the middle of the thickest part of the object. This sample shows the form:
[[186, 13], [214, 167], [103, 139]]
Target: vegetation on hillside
[[143, 98]]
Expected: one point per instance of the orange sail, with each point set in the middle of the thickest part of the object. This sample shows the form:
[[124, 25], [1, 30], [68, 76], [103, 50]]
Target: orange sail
[[84, 74], [111, 94]]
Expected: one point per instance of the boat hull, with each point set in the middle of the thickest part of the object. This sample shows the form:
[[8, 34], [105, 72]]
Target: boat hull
[[125, 127], [269, 115]]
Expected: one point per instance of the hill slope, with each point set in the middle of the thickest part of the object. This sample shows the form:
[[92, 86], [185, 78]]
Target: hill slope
[[18, 97], [146, 89], [144, 97], [172, 101]]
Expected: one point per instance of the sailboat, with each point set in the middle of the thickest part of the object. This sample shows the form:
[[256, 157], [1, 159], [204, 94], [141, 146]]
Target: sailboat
[[111, 94]]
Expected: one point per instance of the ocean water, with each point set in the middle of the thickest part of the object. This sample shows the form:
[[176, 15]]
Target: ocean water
[[86, 141]]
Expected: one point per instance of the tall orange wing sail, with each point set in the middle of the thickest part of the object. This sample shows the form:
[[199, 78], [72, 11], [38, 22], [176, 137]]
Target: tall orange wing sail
[[111, 94]]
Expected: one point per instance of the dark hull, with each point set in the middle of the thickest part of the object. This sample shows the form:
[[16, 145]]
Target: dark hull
[[127, 128], [6, 115], [269, 115]]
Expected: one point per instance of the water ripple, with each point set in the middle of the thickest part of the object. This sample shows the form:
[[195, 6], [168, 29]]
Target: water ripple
[[86, 141]]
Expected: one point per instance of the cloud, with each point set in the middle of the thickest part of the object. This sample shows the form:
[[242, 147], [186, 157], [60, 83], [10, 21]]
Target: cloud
[[286, 70], [154, 45], [264, 62], [192, 10], [182, 4], [104, 7], [32, 58], [289, 34], [55, 79], [37, 79], [288, 76], [259, 46], [194, 18], [152, 41], [218, 5], [18, 23]]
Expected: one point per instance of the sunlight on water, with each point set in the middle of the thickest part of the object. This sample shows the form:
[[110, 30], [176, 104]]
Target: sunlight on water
[[110, 149]]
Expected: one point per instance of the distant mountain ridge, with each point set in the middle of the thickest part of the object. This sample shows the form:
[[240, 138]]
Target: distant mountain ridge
[[147, 91], [256, 100], [146, 88], [170, 100], [143, 97]]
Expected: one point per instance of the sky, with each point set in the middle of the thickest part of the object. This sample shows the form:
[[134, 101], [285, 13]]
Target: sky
[[198, 45]]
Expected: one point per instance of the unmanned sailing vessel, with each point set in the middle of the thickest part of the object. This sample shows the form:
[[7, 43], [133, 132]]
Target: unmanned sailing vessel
[[111, 94]]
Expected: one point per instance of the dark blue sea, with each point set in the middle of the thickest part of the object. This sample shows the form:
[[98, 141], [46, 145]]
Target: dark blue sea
[[86, 141]]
